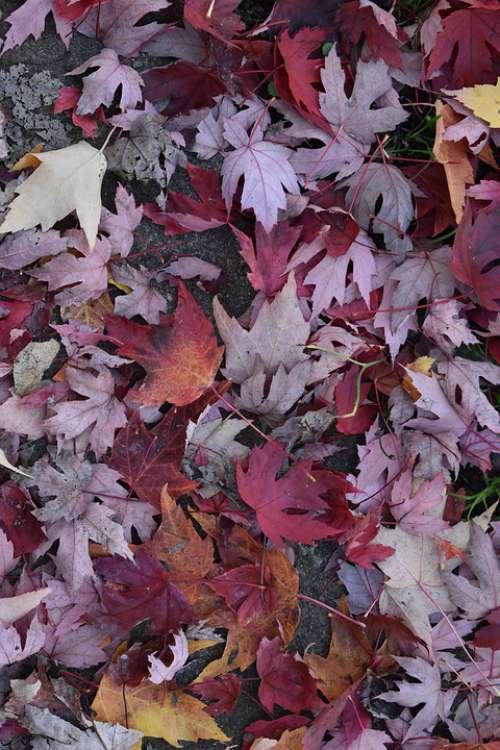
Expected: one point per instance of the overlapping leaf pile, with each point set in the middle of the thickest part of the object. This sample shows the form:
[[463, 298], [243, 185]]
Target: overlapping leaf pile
[[160, 468]]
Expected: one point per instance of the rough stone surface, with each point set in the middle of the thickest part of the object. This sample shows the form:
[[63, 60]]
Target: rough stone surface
[[31, 363]]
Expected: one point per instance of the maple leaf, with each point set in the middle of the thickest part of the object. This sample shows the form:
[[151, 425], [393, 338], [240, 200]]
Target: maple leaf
[[29, 20], [268, 258], [414, 587], [347, 660], [96, 418], [266, 169], [59, 733], [454, 157], [329, 276], [276, 338], [363, 586], [475, 254], [426, 691], [418, 510], [284, 679], [67, 180], [355, 116], [119, 27], [463, 48], [120, 226], [184, 85], [477, 601], [364, 19], [186, 214], [243, 640], [176, 542], [72, 10], [24, 248], [224, 692], [12, 649], [79, 278], [461, 383], [143, 299], [68, 99], [156, 711], [100, 87], [181, 360], [13, 608], [17, 520], [484, 100], [386, 183], [246, 590], [285, 507], [297, 77], [146, 460], [444, 325], [219, 19], [141, 590], [424, 275]]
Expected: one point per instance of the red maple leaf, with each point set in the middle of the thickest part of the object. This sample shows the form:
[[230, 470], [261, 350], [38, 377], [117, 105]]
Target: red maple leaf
[[68, 99], [475, 254], [269, 257], [72, 10], [463, 51], [16, 519], [224, 692], [285, 679], [246, 589], [218, 19], [359, 550], [149, 459], [285, 507], [140, 589], [185, 214], [185, 85], [181, 360], [297, 76], [357, 22]]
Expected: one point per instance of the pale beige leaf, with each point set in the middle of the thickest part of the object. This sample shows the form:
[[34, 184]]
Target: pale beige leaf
[[4, 461], [14, 607], [68, 179]]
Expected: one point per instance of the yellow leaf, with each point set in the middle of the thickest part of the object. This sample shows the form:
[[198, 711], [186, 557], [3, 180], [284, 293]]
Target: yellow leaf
[[156, 711], [453, 156], [484, 100], [68, 179]]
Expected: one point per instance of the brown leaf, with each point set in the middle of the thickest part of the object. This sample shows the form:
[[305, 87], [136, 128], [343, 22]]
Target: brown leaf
[[176, 542], [347, 661], [453, 156]]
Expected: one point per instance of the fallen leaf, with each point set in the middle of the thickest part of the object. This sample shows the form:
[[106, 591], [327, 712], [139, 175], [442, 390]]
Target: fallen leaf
[[99, 88], [12, 608], [266, 170], [67, 180], [180, 360], [156, 711], [284, 679], [346, 662], [454, 158], [177, 543], [141, 589]]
